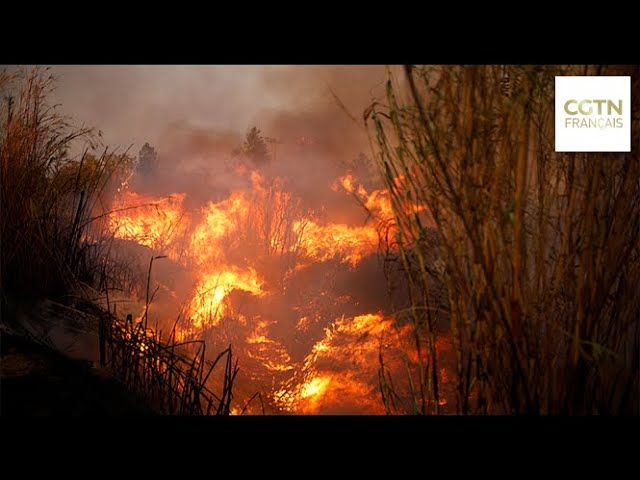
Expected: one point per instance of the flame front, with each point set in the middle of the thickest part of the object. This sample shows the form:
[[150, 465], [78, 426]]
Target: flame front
[[151, 221], [246, 256], [207, 306], [324, 242], [343, 365]]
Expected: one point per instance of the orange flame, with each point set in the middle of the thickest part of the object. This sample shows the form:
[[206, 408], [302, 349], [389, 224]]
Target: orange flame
[[324, 242], [342, 365], [151, 221], [232, 245], [207, 306]]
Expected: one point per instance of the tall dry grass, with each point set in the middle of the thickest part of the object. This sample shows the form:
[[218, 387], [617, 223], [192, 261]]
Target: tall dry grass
[[528, 260], [51, 202]]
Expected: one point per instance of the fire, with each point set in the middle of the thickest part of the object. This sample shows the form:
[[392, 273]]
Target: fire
[[308, 357], [342, 366], [329, 389], [151, 221], [267, 352], [315, 388], [324, 242], [377, 202], [207, 306], [219, 222]]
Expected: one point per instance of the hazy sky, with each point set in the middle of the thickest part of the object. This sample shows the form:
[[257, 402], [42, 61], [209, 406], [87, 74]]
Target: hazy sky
[[134, 104]]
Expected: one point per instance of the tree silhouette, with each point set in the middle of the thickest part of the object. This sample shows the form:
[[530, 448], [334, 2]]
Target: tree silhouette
[[147, 160], [256, 148]]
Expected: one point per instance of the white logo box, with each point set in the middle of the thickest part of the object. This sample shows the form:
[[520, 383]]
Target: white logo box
[[581, 131]]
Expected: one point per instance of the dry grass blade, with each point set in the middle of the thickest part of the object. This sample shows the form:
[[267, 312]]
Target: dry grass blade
[[537, 248]]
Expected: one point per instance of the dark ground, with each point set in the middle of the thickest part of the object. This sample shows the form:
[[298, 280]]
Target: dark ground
[[35, 380]]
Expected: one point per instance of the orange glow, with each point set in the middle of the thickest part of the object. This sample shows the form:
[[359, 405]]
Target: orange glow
[[317, 387], [252, 242], [349, 244], [330, 389], [377, 202], [270, 353], [207, 305], [155, 222], [340, 366]]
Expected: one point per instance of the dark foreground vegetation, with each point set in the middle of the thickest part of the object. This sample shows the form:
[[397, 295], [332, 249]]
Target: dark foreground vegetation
[[40, 381], [527, 259]]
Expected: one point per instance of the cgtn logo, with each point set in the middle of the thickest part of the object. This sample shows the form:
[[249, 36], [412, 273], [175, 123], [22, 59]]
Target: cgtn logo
[[593, 114]]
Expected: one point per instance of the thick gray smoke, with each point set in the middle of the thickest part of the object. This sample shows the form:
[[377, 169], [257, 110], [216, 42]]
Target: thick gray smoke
[[136, 104], [196, 116]]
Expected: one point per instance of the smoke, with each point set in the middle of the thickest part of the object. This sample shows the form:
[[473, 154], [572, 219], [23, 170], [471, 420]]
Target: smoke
[[136, 104], [196, 116]]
